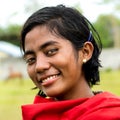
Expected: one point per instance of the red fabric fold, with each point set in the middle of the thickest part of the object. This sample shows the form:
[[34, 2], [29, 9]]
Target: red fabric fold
[[103, 106]]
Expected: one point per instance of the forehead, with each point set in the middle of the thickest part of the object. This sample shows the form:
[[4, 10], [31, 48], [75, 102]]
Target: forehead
[[41, 30], [40, 35]]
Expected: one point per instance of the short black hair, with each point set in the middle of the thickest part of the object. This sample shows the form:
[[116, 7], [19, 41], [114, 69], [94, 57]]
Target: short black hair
[[69, 23]]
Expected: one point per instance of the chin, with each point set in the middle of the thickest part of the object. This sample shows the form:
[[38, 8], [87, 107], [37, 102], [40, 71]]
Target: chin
[[52, 94]]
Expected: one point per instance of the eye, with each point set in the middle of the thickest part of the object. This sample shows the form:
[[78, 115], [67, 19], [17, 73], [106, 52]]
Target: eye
[[51, 52], [30, 60]]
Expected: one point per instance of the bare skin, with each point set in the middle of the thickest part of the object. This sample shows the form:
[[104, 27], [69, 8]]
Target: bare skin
[[55, 66]]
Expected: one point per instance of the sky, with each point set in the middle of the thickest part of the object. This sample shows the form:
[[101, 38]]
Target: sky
[[12, 11]]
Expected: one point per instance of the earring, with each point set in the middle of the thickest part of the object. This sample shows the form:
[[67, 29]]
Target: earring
[[84, 60]]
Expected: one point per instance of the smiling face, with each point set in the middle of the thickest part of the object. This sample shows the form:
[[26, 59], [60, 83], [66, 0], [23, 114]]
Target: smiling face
[[53, 64]]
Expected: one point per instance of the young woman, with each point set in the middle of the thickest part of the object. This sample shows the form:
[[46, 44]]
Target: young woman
[[62, 48]]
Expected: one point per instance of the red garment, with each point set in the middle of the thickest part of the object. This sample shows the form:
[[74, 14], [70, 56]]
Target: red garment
[[103, 106]]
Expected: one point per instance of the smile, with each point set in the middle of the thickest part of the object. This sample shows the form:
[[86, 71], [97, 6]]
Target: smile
[[48, 78]]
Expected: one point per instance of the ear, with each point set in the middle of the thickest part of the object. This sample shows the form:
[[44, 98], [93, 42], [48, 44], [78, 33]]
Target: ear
[[87, 51]]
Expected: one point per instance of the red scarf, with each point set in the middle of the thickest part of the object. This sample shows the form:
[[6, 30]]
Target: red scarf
[[103, 106]]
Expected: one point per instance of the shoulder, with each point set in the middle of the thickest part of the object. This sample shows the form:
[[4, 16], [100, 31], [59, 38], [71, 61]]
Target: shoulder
[[104, 100], [106, 97], [104, 106]]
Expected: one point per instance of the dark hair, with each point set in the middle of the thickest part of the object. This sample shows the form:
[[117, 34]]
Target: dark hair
[[71, 24]]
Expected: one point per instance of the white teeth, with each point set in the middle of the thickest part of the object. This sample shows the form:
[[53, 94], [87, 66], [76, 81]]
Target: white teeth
[[49, 78]]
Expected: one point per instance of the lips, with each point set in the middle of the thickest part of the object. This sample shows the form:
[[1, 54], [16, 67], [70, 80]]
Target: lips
[[47, 80]]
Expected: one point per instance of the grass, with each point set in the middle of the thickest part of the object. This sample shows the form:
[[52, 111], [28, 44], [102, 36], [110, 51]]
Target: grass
[[110, 81], [13, 94]]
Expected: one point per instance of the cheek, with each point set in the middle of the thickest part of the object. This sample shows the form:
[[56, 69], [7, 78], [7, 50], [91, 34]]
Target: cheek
[[30, 71], [74, 66], [68, 64]]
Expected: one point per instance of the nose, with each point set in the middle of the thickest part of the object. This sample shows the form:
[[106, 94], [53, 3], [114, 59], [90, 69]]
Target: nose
[[42, 64]]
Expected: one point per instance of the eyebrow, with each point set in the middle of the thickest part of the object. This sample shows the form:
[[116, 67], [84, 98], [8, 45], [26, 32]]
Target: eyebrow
[[48, 44], [28, 52]]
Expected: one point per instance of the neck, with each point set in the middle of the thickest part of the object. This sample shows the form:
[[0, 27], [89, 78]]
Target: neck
[[82, 91]]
